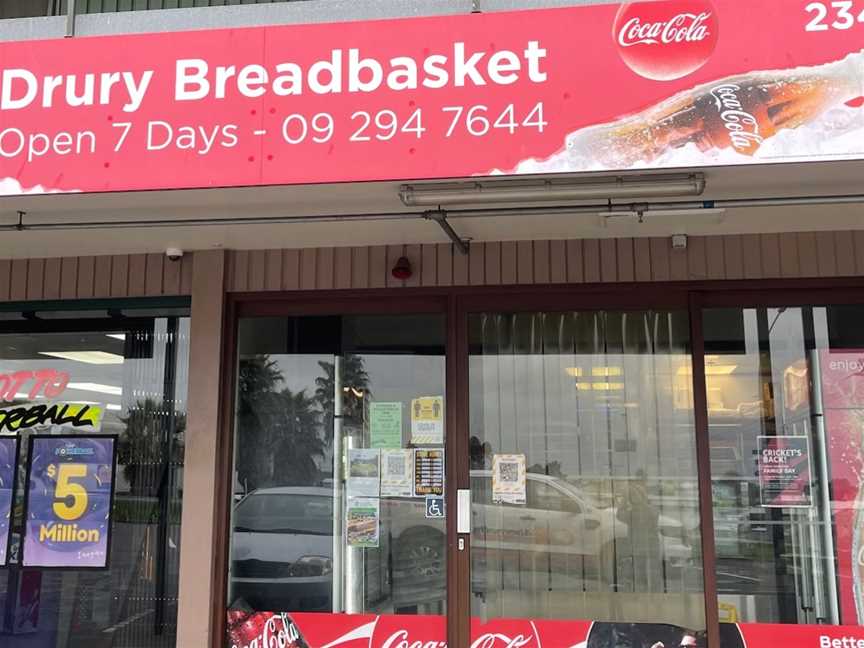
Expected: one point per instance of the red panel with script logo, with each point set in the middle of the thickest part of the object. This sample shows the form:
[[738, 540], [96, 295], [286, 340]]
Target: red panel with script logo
[[307, 630]]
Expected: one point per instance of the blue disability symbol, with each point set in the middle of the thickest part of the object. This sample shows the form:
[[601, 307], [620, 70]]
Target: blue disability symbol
[[434, 506]]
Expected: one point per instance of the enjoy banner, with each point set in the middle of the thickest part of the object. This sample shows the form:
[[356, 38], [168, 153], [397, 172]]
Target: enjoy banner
[[671, 83]]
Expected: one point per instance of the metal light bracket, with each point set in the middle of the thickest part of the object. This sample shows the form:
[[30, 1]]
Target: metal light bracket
[[440, 216]]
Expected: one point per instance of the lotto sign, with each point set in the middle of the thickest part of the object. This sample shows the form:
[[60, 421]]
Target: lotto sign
[[8, 462], [667, 84], [70, 488]]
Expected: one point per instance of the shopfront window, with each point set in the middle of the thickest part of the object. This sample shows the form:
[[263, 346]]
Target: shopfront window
[[95, 405], [583, 472], [785, 393], [338, 470]]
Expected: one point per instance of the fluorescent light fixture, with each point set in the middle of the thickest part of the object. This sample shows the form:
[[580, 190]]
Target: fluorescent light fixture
[[597, 372], [710, 370], [96, 387], [599, 386], [117, 336], [87, 357], [113, 408], [606, 371], [524, 191]]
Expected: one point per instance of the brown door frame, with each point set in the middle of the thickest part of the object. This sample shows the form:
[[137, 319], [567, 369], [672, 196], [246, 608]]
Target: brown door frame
[[457, 303]]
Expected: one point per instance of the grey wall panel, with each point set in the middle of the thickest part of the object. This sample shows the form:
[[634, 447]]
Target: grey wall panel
[[229, 13]]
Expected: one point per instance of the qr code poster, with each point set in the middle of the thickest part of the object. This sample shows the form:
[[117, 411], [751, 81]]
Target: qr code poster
[[508, 478], [427, 420], [397, 473]]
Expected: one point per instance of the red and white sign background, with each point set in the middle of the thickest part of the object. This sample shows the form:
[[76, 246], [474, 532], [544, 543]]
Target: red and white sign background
[[554, 90], [317, 630], [843, 399]]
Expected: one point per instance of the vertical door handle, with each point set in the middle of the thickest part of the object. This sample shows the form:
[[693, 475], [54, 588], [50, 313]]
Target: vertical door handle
[[463, 510]]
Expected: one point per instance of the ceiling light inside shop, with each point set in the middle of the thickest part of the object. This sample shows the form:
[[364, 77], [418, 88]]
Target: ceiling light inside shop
[[96, 387], [88, 357], [117, 336], [113, 408], [527, 191], [606, 371], [710, 370], [600, 386], [597, 372]]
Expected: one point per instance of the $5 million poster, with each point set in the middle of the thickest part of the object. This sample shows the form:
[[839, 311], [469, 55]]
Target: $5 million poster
[[70, 488]]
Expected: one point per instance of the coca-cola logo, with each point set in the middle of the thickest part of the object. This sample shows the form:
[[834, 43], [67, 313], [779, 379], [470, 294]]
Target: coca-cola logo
[[666, 40], [742, 126], [401, 639], [499, 640], [391, 632], [277, 631]]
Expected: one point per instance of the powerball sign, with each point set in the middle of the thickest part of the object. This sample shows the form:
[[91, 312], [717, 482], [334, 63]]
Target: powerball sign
[[70, 487]]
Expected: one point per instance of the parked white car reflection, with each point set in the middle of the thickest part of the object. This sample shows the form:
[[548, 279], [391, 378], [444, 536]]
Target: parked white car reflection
[[558, 518], [282, 543], [281, 554]]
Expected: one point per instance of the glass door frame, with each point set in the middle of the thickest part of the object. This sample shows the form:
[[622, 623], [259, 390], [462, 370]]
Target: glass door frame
[[595, 297], [320, 303]]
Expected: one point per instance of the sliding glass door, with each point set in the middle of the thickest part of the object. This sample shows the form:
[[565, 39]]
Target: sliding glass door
[[585, 501]]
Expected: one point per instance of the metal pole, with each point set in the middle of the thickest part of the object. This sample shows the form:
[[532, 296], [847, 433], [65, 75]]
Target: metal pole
[[602, 209], [167, 418], [826, 525], [70, 18], [353, 569], [338, 485]]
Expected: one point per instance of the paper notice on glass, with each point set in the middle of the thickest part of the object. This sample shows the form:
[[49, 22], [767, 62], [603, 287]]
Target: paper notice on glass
[[362, 516], [385, 425], [508, 478], [427, 420], [784, 471], [397, 473], [428, 472], [363, 472]]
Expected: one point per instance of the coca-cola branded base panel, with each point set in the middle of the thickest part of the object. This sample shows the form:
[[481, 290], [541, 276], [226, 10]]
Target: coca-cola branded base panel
[[671, 83], [316, 630]]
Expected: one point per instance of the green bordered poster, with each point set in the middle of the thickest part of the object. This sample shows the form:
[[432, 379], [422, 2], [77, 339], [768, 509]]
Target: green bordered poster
[[385, 425]]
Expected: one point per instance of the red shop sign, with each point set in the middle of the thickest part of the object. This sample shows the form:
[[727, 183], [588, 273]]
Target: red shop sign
[[318, 630], [674, 83]]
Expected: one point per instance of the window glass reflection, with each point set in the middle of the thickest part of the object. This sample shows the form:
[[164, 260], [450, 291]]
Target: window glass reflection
[[328, 412], [600, 406], [134, 370], [784, 418]]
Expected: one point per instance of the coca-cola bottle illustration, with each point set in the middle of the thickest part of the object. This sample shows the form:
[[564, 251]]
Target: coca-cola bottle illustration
[[738, 113], [249, 628]]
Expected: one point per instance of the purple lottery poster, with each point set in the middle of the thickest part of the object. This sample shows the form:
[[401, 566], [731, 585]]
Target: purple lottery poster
[[70, 487], [8, 459]]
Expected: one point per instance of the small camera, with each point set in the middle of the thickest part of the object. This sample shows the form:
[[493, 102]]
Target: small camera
[[174, 254]]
